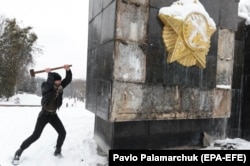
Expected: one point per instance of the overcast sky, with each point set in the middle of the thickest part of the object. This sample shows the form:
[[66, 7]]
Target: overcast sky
[[61, 27]]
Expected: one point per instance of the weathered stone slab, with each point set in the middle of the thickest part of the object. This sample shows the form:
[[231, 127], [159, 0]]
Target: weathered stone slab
[[225, 59], [156, 102], [132, 19], [222, 103], [129, 62]]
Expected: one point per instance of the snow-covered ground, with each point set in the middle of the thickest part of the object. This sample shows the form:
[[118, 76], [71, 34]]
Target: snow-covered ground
[[17, 123]]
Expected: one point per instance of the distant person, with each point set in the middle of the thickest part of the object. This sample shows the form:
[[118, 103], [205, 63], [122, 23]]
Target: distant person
[[52, 96]]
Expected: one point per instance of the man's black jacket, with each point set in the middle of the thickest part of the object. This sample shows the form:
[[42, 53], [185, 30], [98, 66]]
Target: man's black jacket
[[48, 89]]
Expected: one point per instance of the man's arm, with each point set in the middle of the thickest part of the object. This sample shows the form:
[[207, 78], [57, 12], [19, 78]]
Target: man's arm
[[48, 85], [68, 77]]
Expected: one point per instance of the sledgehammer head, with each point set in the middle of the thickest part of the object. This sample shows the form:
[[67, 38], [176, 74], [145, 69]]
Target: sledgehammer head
[[32, 72]]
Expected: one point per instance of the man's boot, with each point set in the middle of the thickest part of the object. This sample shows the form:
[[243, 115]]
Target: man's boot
[[57, 152], [17, 156]]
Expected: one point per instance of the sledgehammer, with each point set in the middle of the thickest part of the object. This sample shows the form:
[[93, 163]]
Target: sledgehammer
[[33, 73]]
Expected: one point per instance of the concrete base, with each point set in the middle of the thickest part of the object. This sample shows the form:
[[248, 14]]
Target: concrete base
[[155, 134]]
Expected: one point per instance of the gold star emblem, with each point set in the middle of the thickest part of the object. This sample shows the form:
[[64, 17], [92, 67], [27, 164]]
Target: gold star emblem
[[188, 40]]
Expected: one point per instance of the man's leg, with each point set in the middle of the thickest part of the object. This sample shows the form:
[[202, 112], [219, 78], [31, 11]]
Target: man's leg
[[58, 126], [42, 120]]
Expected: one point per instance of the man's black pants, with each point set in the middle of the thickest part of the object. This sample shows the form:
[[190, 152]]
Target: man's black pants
[[42, 120]]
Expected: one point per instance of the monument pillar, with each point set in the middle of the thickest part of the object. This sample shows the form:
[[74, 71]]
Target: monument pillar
[[139, 98]]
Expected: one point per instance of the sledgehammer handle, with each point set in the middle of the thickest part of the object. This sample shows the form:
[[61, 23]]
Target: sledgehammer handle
[[32, 72]]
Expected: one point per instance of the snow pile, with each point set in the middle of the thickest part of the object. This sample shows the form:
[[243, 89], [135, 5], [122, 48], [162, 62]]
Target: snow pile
[[180, 9], [22, 99], [229, 144], [31, 99]]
